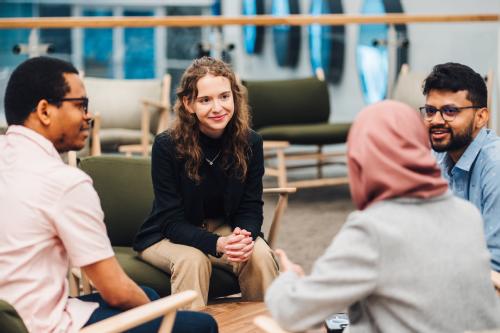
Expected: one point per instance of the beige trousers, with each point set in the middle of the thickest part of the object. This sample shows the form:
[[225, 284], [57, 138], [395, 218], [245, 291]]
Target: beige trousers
[[191, 269]]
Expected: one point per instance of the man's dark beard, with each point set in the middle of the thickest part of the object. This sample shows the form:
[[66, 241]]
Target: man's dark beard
[[457, 141]]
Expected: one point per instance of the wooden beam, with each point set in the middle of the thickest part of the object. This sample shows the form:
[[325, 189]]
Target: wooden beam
[[261, 20]]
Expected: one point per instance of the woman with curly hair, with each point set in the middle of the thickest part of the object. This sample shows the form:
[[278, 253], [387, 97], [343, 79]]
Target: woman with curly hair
[[207, 177]]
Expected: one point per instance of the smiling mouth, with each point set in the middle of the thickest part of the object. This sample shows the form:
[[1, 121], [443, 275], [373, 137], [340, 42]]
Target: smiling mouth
[[439, 133], [218, 118]]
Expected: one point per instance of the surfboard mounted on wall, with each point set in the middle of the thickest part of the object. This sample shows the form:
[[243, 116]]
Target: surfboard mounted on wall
[[326, 42], [253, 36], [372, 52], [286, 38]]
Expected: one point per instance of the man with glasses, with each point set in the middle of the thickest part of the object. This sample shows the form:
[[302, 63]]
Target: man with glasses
[[468, 153], [51, 215]]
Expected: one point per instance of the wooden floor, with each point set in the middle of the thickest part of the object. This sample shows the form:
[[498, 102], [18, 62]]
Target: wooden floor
[[237, 317]]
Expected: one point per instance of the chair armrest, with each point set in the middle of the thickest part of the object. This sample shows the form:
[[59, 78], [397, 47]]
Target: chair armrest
[[268, 324], [279, 210], [165, 306], [163, 110], [155, 104], [280, 190]]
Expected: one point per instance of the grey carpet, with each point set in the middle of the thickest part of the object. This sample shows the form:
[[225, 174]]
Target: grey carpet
[[312, 219]]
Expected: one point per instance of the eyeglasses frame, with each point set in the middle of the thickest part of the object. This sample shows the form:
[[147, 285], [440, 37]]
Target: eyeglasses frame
[[83, 100], [422, 110]]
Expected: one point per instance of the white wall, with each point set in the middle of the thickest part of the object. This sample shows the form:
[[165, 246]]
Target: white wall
[[473, 44]]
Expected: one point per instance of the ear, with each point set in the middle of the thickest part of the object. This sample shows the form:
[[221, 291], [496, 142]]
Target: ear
[[43, 112], [482, 116], [187, 105]]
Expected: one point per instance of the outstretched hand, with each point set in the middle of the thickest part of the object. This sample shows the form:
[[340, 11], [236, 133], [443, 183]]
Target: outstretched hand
[[288, 265]]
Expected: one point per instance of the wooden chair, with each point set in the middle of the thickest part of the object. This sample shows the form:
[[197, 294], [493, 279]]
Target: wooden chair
[[11, 322], [268, 325], [126, 192], [122, 109], [408, 87], [489, 78], [296, 112]]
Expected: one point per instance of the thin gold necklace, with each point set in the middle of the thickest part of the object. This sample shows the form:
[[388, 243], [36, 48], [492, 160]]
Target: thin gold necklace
[[211, 162]]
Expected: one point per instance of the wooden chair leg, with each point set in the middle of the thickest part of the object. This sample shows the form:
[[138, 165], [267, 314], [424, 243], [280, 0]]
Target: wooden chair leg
[[95, 149], [278, 213], [74, 288], [320, 161], [146, 118], [489, 89], [86, 286], [282, 176]]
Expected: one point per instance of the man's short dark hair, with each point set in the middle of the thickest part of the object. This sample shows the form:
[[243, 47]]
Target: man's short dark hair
[[33, 80], [456, 77]]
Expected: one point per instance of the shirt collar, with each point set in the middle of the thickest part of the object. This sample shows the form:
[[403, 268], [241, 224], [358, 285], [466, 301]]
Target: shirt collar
[[469, 156], [35, 137]]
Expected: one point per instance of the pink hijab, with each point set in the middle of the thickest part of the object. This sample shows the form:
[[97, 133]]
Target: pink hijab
[[389, 156]]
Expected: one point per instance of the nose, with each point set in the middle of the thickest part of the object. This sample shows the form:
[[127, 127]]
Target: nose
[[437, 118], [216, 106], [89, 118]]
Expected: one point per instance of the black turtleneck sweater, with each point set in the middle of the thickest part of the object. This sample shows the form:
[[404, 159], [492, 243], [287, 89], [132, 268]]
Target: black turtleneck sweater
[[214, 179], [181, 205]]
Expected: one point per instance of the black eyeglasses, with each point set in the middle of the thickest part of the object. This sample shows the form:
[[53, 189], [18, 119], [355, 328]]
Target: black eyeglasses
[[84, 102], [448, 112]]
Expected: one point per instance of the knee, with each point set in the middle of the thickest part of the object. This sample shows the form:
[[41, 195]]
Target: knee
[[151, 293], [191, 259], [262, 251], [194, 322]]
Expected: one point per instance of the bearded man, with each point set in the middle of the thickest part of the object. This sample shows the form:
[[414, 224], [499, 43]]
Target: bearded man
[[468, 153]]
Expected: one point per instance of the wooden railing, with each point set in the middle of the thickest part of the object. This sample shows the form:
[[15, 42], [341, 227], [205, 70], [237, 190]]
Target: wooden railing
[[262, 20]]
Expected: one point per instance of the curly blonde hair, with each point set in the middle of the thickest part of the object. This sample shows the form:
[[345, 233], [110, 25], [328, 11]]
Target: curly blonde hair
[[185, 131]]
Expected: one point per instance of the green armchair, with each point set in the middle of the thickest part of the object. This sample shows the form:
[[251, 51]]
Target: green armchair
[[10, 321], [296, 111], [126, 192]]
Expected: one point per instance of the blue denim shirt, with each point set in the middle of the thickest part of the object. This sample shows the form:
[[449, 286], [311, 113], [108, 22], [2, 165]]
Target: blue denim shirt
[[476, 177]]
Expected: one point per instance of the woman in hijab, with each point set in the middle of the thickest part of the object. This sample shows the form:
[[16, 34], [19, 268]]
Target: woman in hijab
[[411, 259]]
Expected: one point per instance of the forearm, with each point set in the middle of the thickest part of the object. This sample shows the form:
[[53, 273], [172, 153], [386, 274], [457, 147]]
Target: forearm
[[115, 287], [293, 309], [130, 296], [190, 235]]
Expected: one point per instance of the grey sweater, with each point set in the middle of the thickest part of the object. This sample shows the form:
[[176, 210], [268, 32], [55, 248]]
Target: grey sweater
[[402, 265]]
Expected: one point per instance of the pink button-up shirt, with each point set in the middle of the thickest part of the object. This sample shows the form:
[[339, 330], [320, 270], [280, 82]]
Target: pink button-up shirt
[[50, 216]]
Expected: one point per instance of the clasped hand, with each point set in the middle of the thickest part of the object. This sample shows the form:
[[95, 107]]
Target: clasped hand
[[238, 246]]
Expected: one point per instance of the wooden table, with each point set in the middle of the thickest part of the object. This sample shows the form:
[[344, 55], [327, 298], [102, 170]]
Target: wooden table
[[237, 316]]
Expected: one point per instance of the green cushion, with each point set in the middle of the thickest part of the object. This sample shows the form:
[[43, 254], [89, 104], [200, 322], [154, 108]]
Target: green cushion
[[288, 102], [10, 321], [126, 193], [112, 138], [316, 134], [222, 282]]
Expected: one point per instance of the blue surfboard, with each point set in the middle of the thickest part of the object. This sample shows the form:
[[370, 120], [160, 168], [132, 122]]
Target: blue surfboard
[[372, 53], [326, 43]]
